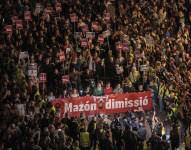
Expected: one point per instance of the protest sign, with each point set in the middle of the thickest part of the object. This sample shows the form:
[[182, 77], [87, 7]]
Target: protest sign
[[32, 70], [115, 103]]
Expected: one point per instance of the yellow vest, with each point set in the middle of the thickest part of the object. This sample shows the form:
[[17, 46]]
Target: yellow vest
[[134, 76], [84, 139], [53, 109], [187, 141], [162, 89], [163, 131], [94, 126], [174, 109], [145, 145]]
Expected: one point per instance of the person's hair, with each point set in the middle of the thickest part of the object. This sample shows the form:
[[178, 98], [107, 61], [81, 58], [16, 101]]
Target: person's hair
[[127, 127]]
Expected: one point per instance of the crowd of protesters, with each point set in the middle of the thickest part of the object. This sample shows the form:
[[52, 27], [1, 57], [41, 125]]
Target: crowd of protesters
[[136, 45]]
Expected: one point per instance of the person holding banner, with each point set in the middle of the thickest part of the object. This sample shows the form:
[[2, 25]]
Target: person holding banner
[[98, 90]]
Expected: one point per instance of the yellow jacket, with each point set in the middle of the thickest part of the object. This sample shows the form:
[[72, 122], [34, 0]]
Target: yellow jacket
[[134, 76], [84, 139]]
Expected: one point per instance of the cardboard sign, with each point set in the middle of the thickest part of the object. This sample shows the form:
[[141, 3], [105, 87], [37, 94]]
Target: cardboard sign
[[58, 7], [21, 109], [23, 55], [19, 24], [61, 56], [106, 33], [90, 35], [101, 39], [14, 18], [42, 77], [27, 15], [84, 42], [65, 79], [32, 70], [73, 17], [95, 26], [8, 29]]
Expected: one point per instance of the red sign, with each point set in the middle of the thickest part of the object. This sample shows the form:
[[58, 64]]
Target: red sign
[[73, 17], [58, 7], [101, 39], [8, 29], [32, 70], [19, 24], [84, 42], [65, 79], [27, 15], [116, 103], [42, 77], [61, 56]]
